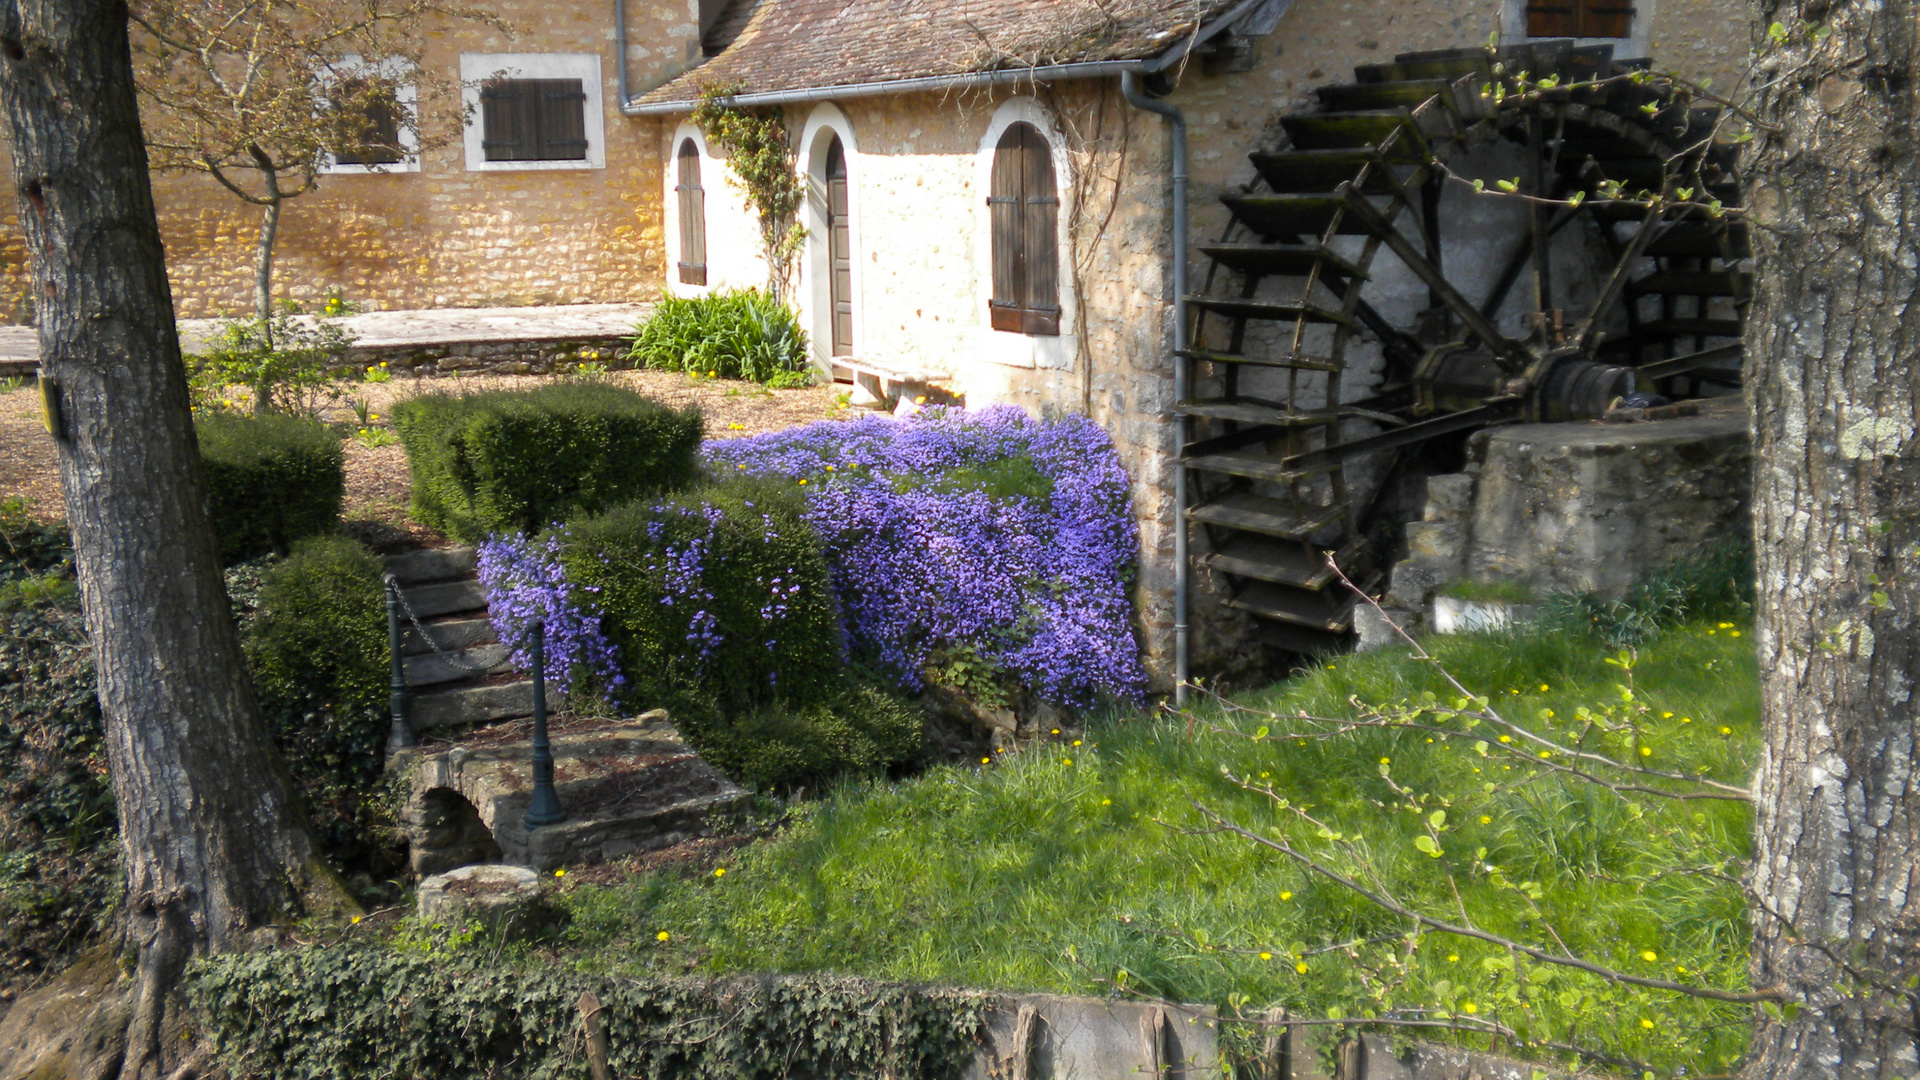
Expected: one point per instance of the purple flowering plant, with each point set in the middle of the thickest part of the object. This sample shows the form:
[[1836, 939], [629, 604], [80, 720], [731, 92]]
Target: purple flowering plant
[[526, 583], [985, 534]]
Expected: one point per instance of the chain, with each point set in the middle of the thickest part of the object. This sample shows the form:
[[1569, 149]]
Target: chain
[[418, 628]]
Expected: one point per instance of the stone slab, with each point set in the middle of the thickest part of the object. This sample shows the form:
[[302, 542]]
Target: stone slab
[[1076, 1038], [447, 634], [445, 598], [1597, 507], [430, 669], [500, 897], [1449, 497], [473, 705], [434, 564], [625, 787]]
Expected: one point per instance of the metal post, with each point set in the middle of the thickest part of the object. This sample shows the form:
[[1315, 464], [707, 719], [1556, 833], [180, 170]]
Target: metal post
[[400, 735], [545, 807]]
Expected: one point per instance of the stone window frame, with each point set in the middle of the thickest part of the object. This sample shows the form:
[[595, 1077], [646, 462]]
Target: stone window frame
[[1513, 27], [477, 69], [352, 66], [1011, 348]]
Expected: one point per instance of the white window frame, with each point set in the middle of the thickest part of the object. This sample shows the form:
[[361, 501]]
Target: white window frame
[[396, 71], [477, 69]]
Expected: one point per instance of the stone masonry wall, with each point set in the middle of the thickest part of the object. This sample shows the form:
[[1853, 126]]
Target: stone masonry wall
[[442, 236]]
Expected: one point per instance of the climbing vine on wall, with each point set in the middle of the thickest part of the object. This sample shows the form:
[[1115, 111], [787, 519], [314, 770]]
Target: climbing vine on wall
[[761, 158]]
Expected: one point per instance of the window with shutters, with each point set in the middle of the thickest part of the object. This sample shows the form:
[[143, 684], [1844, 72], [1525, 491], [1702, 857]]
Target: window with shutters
[[533, 111], [1024, 212], [693, 215], [1580, 18], [375, 105], [534, 120]]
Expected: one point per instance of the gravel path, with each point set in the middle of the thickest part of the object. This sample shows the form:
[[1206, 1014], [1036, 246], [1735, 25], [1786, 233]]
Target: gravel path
[[377, 482]]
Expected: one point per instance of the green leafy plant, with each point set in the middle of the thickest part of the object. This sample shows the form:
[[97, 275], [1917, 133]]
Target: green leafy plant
[[760, 160], [1714, 582], [270, 481], [859, 731], [378, 373], [733, 335], [288, 363], [521, 460]]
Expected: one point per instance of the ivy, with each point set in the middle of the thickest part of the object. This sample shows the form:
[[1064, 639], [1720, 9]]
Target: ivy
[[761, 158], [360, 1011]]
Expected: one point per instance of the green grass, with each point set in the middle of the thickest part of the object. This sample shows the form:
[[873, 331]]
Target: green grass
[[1079, 868]]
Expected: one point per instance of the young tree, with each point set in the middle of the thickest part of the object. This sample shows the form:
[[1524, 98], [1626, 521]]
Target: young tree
[[1832, 338], [257, 94], [213, 844]]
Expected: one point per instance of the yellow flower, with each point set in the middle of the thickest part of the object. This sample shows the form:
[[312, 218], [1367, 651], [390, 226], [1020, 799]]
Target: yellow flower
[[1301, 967], [1506, 738], [1646, 1023], [1056, 731], [1453, 958], [1726, 730], [1686, 719], [1649, 956], [1266, 956], [1546, 754], [1264, 775], [1106, 802], [1486, 819], [559, 873], [374, 416], [1544, 688], [1469, 1008], [1666, 716], [719, 871], [1285, 895], [921, 400], [1076, 742], [1726, 626], [803, 481], [986, 761], [1069, 761], [356, 920], [1646, 751], [662, 936], [1733, 633]]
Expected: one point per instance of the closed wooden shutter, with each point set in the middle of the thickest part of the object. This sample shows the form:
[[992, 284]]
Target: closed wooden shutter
[[693, 217], [1023, 208], [372, 133], [1579, 18], [534, 120]]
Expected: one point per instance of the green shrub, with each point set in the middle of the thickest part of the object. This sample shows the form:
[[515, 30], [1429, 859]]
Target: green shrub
[[271, 480], [858, 732], [731, 335], [519, 461], [312, 1013], [1714, 582], [720, 593], [317, 645]]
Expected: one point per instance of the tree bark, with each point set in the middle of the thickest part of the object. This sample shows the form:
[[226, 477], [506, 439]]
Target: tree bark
[[1832, 342], [213, 843]]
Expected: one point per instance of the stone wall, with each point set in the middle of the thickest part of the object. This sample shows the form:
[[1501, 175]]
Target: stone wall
[[443, 236]]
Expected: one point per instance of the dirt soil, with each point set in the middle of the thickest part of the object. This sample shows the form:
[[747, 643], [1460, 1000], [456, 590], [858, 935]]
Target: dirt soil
[[377, 481]]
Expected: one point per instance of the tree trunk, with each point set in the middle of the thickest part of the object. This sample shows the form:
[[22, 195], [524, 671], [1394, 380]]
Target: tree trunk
[[213, 843], [1831, 350], [263, 261]]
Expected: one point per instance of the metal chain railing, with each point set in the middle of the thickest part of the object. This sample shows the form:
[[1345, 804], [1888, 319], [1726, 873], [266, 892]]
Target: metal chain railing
[[400, 698]]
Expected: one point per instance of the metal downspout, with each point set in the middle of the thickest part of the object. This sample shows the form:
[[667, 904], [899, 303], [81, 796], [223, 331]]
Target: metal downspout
[[620, 53], [1130, 89]]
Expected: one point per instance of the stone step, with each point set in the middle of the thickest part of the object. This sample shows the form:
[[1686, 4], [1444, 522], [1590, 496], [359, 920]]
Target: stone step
[[624, 785], [448, 634], [442, 564], [428, 669], [473, 705], [446, 598]]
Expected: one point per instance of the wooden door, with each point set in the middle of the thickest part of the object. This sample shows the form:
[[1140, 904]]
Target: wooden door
[[839, 250]]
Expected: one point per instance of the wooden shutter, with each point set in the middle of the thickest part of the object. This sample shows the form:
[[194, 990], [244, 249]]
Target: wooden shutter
[[1024, 216], [693, 217], [1579, 18], [506, 115], [561, 119], [373, 134]]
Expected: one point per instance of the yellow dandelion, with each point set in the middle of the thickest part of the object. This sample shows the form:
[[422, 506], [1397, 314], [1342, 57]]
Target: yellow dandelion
[[719, 871], [1506, 738], [1486, 819], [1469, 1008], [1544, 688], [1069, 761], [1726, 626], [1666, 716], [1301, 967], [1733, 633], [1453, 958], [1386, 761], [1266, 956], [1545, 754], [986, 761], [1650, 956], [1646, 1023], [1646, 751], [1106, 802], [1724, 730], [1264, 775], [356, 920], [921, 400], [662, 936], [1686, 719], [1285, 895], [1055, 731], [1076, 742]]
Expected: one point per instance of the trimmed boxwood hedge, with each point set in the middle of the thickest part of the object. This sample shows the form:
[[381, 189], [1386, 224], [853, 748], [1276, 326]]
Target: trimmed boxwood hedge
[[520, 460], [271, 480]]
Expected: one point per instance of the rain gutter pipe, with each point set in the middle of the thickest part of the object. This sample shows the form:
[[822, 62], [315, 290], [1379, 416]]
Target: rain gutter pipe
[[1130, 89]]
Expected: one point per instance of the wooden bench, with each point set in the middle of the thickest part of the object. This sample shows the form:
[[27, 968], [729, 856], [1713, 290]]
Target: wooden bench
[[881, 385]]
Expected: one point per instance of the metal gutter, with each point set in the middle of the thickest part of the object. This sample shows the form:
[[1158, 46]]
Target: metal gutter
[[1177, 120]]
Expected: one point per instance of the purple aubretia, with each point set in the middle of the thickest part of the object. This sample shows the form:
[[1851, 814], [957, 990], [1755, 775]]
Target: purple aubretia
[[525, 582], [937, 546]]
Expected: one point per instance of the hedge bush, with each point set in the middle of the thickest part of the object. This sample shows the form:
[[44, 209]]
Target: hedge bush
[[313, 1013], [859, 731], [729, 335], [271, 480], [317, 647], [521, 460]]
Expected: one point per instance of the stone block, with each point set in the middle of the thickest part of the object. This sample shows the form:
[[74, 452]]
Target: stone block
[[1047, 1035], [1449, 497], [1372, 631], [1413, 583], [1436, 543], [505, 899]]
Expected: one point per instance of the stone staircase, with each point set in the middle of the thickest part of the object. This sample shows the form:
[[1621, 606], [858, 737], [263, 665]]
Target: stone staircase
[[627, 785]]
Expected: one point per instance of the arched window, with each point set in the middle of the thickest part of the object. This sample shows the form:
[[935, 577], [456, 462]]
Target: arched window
[[1025, 211], [693, 216]]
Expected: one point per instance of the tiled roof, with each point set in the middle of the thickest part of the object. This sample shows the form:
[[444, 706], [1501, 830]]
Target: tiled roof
[[806, 44]]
